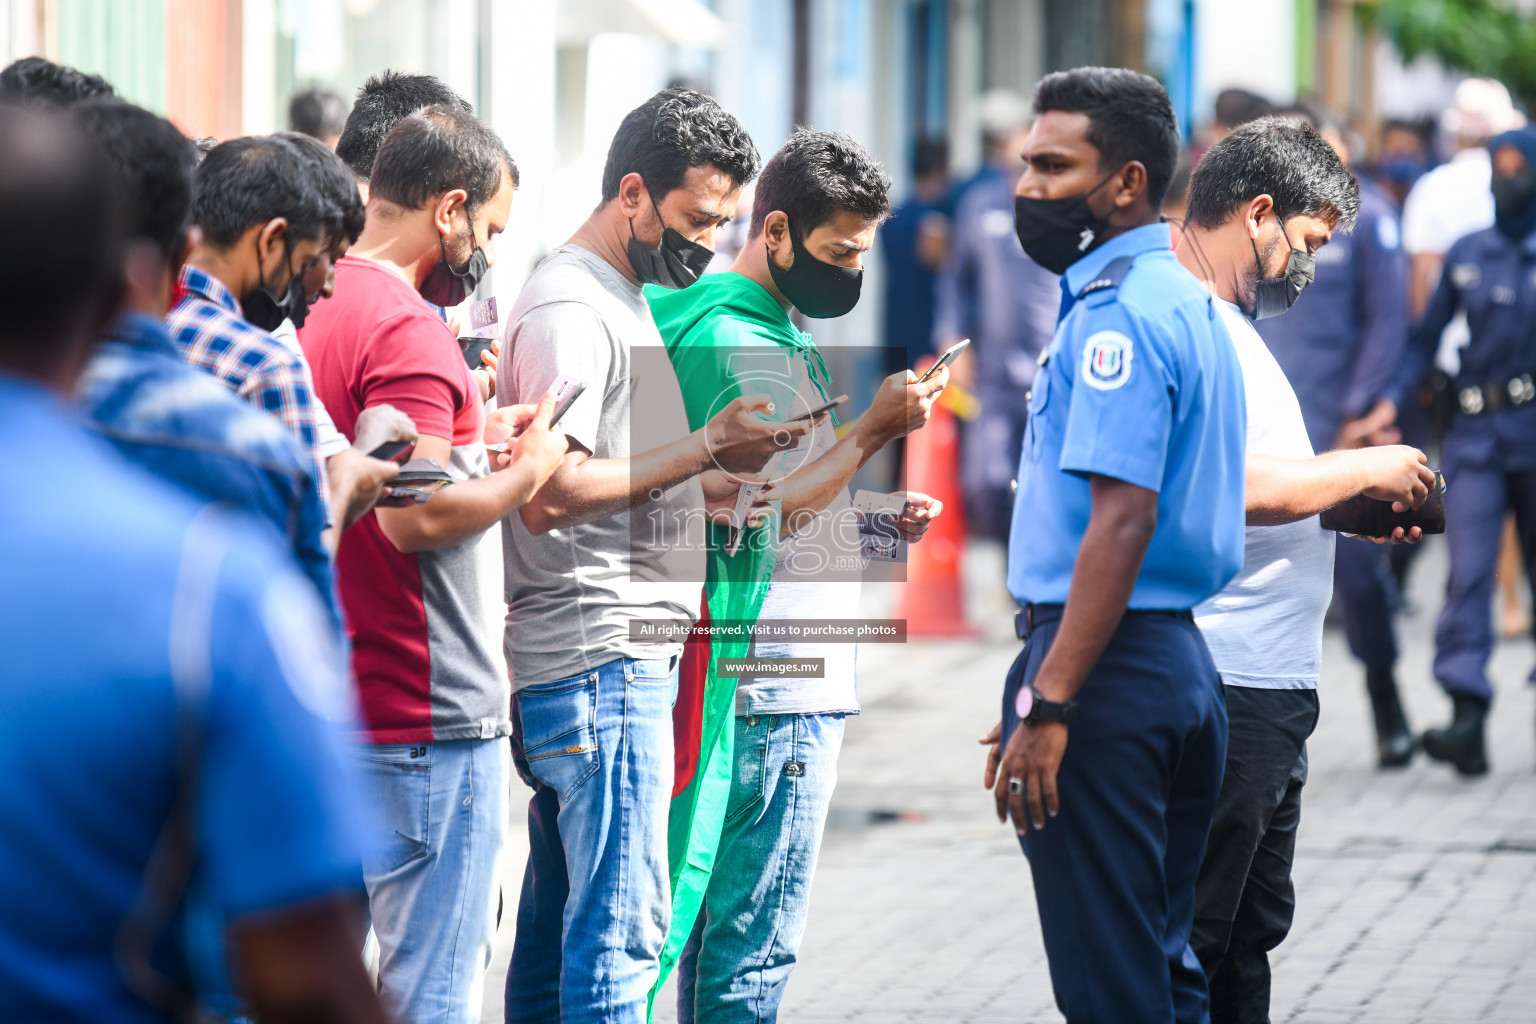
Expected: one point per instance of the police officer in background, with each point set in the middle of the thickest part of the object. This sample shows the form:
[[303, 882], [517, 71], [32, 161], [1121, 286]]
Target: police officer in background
[[1342, 350], [1130, 511], [1488, 455]]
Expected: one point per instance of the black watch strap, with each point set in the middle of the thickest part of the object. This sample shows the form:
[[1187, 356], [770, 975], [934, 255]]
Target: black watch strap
[[1043, 710]]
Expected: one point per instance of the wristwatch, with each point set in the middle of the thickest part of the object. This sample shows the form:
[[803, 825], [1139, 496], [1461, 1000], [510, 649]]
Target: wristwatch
[[1032, 707]]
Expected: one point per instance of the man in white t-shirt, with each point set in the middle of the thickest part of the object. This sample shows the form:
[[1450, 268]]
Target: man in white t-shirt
[[1261, 203]]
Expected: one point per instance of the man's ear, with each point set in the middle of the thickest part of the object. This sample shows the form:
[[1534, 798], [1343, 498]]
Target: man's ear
[[447, 203], [1130, 184], [272, 236], [631, 186], [1255, 211], [776, 236]]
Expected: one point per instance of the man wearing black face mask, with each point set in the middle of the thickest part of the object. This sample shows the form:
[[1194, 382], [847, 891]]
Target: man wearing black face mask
[[1490, 462], [606, 543], [414, 579], [1261, 203], [814, 215], [1128, 514], [262, 226]]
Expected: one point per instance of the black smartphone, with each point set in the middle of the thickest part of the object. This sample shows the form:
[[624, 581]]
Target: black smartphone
[[473, 347], [949, 355], [839, 400], [393, 451], [568, 391]]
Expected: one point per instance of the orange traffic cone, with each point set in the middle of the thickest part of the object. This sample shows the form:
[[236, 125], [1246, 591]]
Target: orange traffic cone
[[933, 598]]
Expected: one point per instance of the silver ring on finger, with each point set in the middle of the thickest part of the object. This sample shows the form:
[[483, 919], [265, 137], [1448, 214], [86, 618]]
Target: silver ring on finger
[[1016, 786]]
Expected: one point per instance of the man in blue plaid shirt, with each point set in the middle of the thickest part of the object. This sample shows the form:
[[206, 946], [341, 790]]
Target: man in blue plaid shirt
[[263, 225]]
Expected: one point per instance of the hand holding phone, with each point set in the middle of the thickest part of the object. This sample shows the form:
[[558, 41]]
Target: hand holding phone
[[948, 356]]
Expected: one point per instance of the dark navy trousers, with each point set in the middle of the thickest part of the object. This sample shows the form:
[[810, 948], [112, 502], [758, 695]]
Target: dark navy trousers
[[1476, 499], [1115, 871], [1363, 586]]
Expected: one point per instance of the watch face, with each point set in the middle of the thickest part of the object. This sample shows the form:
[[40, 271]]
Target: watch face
[[1024, 702]]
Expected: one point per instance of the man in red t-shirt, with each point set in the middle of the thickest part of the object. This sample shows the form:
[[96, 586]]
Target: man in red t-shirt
[[414, 583]]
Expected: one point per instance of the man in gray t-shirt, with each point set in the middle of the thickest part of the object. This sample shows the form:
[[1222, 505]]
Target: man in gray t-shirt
[[591, 710]]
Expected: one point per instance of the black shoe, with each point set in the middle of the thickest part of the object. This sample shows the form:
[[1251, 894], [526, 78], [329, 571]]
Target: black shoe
[[1394, 741], [1461, 742]]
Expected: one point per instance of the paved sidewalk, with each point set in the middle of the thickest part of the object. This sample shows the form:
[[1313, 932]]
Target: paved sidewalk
[[1416, 890]]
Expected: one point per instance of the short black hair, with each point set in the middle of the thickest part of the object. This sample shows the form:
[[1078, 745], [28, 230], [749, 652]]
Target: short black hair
[[58, 212], [672, 131], [1129, 118], [336, 185], [438, 149], [153, 165], [384, 101], [816, 175], [1282, 158], [250, 181], [318, 113], [1239, 106], [36, 80]]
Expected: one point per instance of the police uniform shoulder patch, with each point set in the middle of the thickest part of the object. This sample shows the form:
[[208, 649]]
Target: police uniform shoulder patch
[[1107, 360]]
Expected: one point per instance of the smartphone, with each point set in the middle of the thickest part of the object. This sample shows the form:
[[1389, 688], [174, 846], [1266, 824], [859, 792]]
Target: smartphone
[[567, 391], [839, 400], [473, 347], [393, 451], [949, 355]]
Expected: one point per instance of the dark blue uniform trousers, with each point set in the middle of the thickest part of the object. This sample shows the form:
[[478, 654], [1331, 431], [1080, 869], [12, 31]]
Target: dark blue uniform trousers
[[1476, 498], [1115, 871], [1362, 584]]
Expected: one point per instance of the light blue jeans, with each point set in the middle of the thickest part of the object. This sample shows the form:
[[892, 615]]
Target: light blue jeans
[[433, 876], [747, 939], [597, 750]]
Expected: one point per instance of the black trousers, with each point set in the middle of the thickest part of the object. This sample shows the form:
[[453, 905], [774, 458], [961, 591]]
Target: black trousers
[[1244, 900]]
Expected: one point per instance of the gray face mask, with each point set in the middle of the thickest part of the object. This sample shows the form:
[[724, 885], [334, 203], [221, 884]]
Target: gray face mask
[[1274, 295]]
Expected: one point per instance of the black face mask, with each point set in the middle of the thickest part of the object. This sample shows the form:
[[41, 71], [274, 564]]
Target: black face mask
[[1514, 204], [1056, 233], [675, 263], [1274, 295], [816, 288], [263, 309], [446, 285]]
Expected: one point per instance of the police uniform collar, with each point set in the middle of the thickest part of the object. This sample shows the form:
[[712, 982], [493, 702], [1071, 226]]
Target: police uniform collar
[[1147, 238]]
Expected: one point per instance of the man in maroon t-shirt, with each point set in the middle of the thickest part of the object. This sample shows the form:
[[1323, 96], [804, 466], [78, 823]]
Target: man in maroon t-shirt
[[416, 589]]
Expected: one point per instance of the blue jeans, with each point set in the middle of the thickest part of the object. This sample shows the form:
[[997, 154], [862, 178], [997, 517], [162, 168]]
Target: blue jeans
[[597, 750], [432, 879], [747, 938]]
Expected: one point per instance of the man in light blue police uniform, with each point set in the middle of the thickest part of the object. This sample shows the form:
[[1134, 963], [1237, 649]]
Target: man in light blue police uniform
[[1130, 512], [171, 679], [1487, 456]]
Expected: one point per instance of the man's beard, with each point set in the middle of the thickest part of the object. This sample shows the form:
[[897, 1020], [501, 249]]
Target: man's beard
[[1249, 303]]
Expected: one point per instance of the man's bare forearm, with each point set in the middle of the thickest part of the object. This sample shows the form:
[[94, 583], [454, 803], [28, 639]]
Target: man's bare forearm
[[1108, 561], [584, 489], [1283, 491], [459, 512], [811, 489]]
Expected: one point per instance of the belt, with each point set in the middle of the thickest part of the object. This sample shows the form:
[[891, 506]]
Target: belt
[[1033, 615], [1500, 394]]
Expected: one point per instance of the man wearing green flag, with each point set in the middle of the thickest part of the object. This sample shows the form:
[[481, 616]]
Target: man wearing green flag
[[748, 815]]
